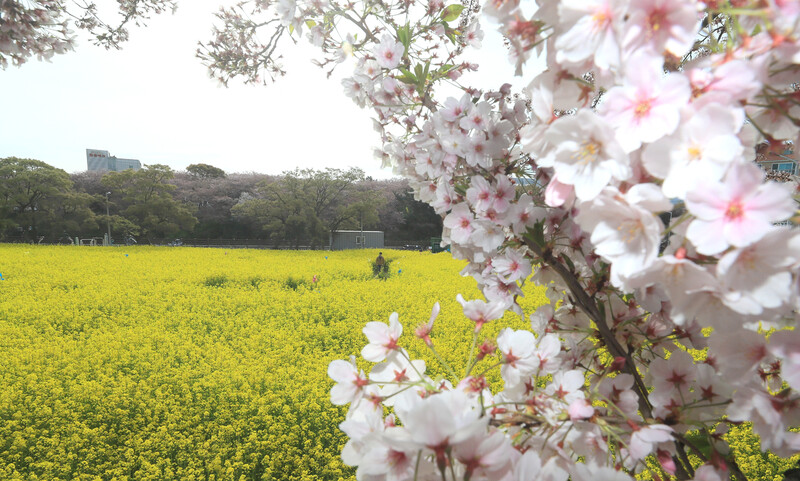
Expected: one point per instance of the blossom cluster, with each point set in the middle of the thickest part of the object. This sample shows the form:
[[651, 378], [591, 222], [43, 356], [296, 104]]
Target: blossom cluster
[[623, 180], [43, 28]]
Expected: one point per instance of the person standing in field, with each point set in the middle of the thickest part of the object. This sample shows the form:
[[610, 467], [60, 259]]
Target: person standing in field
[[380, 263]]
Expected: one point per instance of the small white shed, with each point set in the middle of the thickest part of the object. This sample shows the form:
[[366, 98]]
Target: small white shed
[[356, 239]]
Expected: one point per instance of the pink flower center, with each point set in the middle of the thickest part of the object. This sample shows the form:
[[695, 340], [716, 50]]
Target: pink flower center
[[396, 457], [694, 152], [677, 378], [643, 108], [601, 19], [561, 393], [655, 21], [588, 152], [511, 358], [735, 211]]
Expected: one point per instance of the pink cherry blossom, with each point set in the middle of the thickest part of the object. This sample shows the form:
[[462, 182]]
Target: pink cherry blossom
[[566, 386], [382, 339], [624, 228], [523, 214], [647, 106], [517, 348], [644, 439], [461, 223], [736, 211], [389, 52], [755, 277], [350, 382], [580, 409], [424, 331], [591, 32], [700, 150], [484, 456], [481, 312], [440, 421], [587, 156], [512, 266], [785, 345], [547, 354], [662, 25]]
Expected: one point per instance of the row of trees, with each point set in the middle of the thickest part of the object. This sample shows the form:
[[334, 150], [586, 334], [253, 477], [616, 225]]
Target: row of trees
[[39, 202]]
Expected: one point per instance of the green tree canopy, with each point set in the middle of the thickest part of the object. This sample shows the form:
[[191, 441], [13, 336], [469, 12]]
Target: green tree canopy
[[304, 205], [205, 171], [144, 198], [37, 199]]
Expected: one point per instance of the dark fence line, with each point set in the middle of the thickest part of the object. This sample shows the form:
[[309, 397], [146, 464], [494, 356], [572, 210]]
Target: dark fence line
[[216, 243]]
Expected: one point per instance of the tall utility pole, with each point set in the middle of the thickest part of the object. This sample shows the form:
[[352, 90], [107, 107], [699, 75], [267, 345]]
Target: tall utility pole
[[108, 219]]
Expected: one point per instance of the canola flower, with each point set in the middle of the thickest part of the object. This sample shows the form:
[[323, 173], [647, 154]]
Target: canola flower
[[179, 363], [165, 363]]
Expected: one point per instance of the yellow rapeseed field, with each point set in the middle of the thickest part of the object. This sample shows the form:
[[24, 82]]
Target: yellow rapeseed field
[[203, 364], [179, 363]]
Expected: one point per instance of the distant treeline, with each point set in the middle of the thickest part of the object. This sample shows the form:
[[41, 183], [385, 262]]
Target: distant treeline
[[39, 202]]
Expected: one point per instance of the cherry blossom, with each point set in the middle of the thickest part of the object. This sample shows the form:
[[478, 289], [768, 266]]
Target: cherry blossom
[[701, 150], [382, 339], [349, 382], [624, 229], [647, 107], [644, 439], [662, 25], [587, 156], [389, 52], [590, 32], [736, 211], [518, 349]]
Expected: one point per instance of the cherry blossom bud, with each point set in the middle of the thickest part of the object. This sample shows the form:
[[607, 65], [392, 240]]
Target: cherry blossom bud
[[486, 349]]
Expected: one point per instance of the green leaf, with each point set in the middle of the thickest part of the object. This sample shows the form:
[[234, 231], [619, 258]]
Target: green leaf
[[291, 29], [537, 234], [569, 263], [601, 308], [700, 441], [404, 35], [451, 34], [452, 12], [408, 77], [310, 23]]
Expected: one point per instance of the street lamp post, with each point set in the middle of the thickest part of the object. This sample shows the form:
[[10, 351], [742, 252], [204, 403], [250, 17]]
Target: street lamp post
[[108, 219]]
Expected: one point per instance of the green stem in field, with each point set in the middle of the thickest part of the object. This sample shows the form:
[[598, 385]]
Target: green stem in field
[[443, 363], [470, 364]]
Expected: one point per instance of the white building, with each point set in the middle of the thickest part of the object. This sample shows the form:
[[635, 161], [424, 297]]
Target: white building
[[356, 239], [102, 160]]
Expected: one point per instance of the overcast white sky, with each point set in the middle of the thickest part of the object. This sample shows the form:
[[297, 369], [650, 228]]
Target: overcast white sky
[[154, 102]]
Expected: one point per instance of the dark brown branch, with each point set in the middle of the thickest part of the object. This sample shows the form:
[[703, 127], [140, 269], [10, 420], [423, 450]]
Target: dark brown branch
[[589, 306]]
